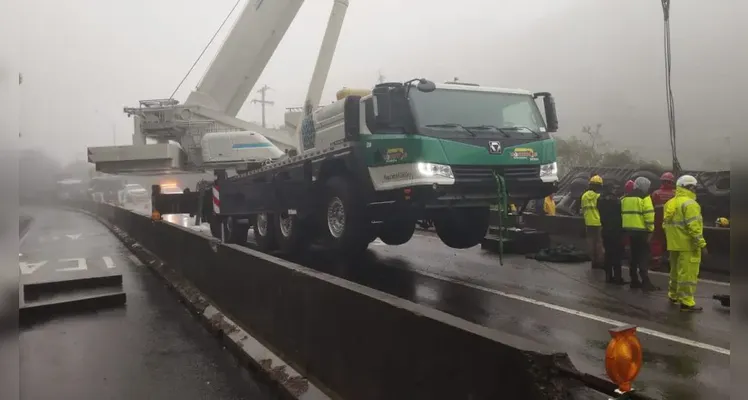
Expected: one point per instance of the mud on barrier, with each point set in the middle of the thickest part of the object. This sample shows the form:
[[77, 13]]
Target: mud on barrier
[[355, 341]]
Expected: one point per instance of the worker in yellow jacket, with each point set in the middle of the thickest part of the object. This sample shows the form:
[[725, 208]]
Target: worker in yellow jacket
[[549, 206], [637, 221], [592, 221], [684, 230]]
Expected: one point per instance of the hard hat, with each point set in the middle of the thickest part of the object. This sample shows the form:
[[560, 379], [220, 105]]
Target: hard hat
[[596, 180], [722, 222], [686, 180], [629, 186], [667, 176]]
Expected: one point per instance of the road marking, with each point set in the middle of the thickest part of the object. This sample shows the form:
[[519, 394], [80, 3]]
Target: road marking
[[582, 314], [727, 284], [135, 260], [82, 266], [109, 262], [73, 237], [378, 242], [29, 268]]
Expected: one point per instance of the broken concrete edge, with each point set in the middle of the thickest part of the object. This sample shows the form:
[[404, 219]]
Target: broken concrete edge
[[250, 352]]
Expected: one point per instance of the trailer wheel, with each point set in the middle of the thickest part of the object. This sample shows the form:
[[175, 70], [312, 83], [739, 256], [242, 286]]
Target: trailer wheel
[[235, 231], [291, 235], [264, 230], [462, 228], [397, 232], [344, 217]]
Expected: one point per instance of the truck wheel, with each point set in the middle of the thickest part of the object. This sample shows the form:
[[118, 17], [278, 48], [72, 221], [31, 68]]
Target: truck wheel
[[290, 233], [462, 228], [397, 232], [264, 230], [345, 225], [235, 231]]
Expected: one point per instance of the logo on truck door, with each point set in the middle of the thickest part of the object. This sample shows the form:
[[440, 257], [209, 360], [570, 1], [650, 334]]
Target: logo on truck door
[[494, 147]]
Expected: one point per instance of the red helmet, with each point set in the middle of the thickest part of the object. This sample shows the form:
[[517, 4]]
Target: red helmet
[[667, 177], [629, 186]]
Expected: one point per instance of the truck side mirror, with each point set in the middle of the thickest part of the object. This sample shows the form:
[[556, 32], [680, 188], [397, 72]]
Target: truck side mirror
[[352, 117], [549, 106]]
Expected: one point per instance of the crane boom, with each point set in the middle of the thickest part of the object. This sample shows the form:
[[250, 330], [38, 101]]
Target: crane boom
[[209, 135], [244, 54]]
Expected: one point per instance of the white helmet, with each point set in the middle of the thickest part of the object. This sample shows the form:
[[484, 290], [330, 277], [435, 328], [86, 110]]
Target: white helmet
[[686, 181]]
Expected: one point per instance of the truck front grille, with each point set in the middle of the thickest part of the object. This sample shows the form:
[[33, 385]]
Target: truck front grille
[[471, 175]]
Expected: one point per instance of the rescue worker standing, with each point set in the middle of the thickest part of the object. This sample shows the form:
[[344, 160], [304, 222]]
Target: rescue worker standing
[[637, 220], [592, 220], [609, 206], [628, 187], [659, 198], [549, 206], [684, 230]]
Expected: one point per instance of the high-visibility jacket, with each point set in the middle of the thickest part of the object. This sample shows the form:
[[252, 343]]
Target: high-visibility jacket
[[637, 213], [589, 208], [549, 206], [683, 223]]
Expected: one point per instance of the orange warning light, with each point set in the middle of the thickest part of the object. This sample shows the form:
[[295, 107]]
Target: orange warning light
[[623, 357], [155, 215]]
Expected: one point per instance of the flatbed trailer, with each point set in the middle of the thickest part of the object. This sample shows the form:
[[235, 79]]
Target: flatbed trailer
[[371, 166]]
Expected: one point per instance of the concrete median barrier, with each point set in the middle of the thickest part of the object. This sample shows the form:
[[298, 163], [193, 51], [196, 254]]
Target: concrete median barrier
[[357, 342], [570, 230]]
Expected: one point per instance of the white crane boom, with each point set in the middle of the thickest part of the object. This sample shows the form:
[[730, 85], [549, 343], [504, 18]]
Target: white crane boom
[[244, 55], [206, 128]]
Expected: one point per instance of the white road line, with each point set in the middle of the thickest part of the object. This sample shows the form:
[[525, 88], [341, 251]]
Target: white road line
[[646, 331], [135, 260], [109, 262], [727, 284]]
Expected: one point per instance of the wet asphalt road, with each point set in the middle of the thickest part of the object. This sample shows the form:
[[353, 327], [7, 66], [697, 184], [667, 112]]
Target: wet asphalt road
[[152, 348], [562, 305]]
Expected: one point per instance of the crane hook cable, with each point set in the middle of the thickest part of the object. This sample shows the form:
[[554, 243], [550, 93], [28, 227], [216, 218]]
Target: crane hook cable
[[205, 48], [503, 204]]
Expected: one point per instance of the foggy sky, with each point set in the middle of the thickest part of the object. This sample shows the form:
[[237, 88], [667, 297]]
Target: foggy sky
[[84, 60]]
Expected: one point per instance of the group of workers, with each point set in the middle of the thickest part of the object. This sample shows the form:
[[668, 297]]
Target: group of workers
[[669, 216]]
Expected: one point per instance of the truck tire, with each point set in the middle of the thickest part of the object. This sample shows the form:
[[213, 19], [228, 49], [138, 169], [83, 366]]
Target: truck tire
[[344, 223], [264, 230], [290, 233], [462, 228], [397, 232], [235, 231]]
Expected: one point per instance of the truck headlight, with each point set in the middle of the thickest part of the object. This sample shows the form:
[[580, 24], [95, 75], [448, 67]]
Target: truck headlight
[[430, 169], [549, 170]]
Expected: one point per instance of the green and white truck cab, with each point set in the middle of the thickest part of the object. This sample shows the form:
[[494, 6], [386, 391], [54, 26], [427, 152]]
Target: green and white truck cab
[[422, 150]]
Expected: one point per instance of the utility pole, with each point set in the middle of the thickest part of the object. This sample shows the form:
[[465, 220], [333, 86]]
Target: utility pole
[[380, 78], [263, 102]]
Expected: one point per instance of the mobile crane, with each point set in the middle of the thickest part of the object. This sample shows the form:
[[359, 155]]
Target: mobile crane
[[366, 166]]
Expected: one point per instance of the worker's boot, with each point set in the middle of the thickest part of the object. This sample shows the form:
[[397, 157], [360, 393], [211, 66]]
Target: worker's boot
[[694, 308]]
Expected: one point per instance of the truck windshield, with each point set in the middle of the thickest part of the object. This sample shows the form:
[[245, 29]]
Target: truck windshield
[[478, 112]]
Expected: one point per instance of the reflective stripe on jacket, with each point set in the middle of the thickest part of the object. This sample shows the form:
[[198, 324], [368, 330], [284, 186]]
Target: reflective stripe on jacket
[[683, 223], [589, 208], [637, 213]]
